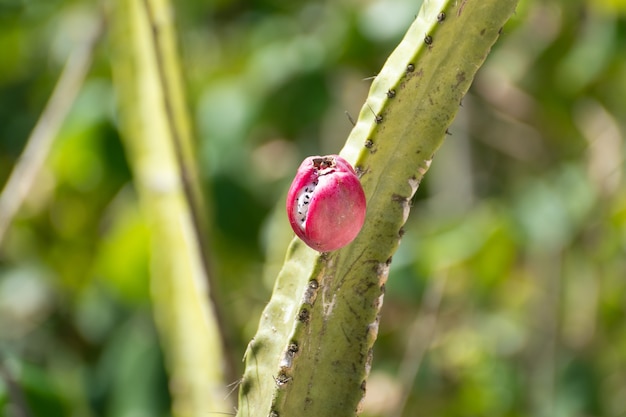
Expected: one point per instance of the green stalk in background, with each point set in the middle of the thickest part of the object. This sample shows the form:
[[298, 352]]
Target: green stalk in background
[[159, 147], [313, 349]]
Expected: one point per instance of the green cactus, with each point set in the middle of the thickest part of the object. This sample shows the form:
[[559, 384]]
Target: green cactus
[[157, 137], [313, 349]]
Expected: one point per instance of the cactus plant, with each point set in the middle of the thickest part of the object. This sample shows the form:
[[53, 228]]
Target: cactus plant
[[157, 136], [314, 346]]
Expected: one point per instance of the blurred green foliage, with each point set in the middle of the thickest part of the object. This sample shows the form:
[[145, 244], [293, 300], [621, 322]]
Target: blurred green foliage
[[519, 227]]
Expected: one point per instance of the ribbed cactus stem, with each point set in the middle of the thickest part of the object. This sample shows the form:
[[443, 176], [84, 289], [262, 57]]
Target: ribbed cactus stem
[[313, 350]]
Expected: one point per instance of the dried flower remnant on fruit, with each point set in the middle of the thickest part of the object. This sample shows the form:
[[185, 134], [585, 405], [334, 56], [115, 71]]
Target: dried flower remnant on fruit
[[326, 203]]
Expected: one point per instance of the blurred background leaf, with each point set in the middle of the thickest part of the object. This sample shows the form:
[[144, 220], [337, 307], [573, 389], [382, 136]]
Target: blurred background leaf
[[523, 213]]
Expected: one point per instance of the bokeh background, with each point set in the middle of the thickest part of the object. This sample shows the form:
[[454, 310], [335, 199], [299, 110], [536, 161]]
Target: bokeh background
[[507, 296]]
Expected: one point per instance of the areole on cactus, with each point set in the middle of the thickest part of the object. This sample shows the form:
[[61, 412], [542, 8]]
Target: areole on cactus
[[326, 203]]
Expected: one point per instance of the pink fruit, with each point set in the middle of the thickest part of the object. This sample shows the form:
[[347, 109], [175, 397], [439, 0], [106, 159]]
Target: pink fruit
[[326, 203]]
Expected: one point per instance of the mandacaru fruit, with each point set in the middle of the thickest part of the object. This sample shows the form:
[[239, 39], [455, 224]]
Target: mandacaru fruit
[[326, 203]]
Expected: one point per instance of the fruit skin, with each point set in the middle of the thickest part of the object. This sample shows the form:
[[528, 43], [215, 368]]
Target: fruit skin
[[332, 209]]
